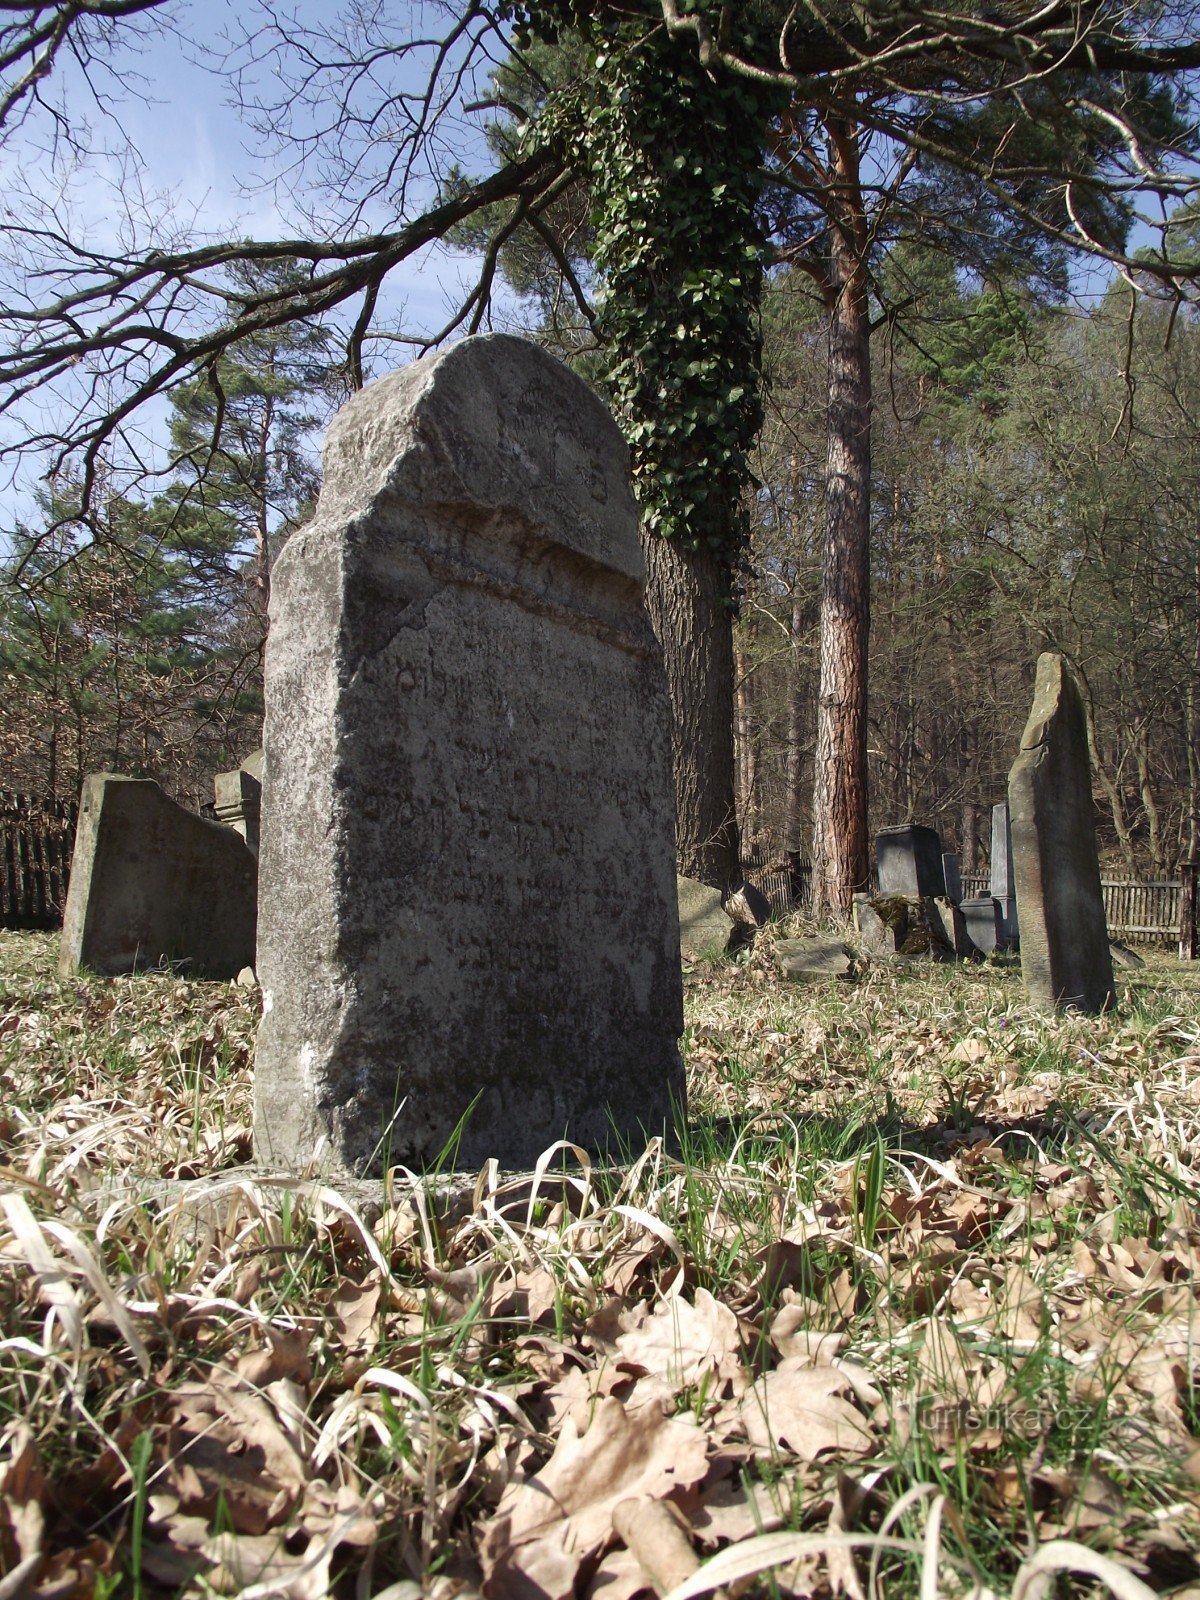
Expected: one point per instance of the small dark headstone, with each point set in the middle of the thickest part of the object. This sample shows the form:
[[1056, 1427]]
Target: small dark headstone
[[1065, 957], [909, 860], [952, 876]]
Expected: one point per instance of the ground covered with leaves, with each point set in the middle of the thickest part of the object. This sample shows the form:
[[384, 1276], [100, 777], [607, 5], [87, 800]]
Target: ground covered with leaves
[[915, 1313]]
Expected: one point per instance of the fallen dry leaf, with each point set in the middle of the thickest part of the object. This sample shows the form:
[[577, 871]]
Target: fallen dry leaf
[[686, 1344], [226, 1444], [545, 1527], [802, 1408]]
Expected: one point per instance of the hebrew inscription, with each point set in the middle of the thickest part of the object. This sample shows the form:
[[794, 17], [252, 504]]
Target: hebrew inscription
[[468, 935]]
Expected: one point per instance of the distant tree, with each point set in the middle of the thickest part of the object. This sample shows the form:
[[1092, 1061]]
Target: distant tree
[[245, 471], [110, 660]]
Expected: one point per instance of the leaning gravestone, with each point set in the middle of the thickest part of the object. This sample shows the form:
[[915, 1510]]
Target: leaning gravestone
[[1065, 957], [152, 882], [469, 934]]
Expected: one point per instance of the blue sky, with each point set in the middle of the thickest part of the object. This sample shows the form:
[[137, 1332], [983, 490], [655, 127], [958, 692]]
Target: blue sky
[[202, 164]]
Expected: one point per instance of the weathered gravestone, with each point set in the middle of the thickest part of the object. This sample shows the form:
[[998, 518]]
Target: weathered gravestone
[[909, 861], [1065, 957], [468, 869], [238, 798], [705, 926], [1002, 882], [152, 882]]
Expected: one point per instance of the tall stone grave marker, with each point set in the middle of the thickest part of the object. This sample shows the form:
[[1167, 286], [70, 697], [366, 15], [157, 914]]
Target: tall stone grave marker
[[909, 861], [469, 933], [153, 882], [1003, 885], [1064, 938]]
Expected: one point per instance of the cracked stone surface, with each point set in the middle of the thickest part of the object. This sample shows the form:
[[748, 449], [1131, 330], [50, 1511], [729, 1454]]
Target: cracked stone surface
[[468, 932]]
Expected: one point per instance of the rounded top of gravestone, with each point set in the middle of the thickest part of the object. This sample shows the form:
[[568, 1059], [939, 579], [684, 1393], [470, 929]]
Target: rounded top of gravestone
[[495, 425]]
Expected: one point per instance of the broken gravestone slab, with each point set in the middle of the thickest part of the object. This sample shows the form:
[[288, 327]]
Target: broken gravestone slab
[[1123, 956], [704, 924], [469, 944], [814, 960], [152, 883], [953, 926], [749, 907], [1065, 958]]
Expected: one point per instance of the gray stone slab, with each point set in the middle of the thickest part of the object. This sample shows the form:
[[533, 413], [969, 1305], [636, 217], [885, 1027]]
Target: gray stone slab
[[1065, 957], [909, 861], [704, 924], [813, 960], [152, 883], [879, 938], [981, 916], [469, 933]]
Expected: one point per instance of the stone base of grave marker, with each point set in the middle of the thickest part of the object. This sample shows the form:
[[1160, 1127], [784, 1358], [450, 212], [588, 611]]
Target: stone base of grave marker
[[154, 883], [1065, 958], [469, 941]]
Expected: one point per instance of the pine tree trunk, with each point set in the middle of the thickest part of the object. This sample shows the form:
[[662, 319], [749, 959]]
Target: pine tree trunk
[[796, 698], [688, 598], [840, 847]]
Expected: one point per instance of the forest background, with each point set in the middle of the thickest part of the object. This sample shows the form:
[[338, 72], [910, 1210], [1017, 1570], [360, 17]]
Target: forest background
[[1033, 485]]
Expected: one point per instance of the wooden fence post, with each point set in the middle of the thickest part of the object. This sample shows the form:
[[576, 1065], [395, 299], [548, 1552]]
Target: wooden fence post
[[1189, 924]]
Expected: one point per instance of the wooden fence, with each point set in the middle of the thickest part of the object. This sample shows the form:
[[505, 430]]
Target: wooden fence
[[787, 884], [36, 840], [1142, 912]]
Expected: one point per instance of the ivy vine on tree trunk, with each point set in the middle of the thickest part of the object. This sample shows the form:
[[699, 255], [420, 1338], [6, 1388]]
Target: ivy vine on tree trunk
[[671, 155]]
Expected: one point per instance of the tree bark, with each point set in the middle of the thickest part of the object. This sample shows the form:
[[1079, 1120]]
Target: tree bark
[[796, 705], [840, 847], [688, 596]]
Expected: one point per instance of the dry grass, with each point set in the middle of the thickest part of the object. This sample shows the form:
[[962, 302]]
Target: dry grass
[[916, 1314]]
